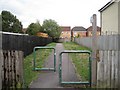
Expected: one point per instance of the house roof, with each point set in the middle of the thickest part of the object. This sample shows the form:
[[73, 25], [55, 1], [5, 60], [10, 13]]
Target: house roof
[[106, 6], [90, 28], [65, 28], [78, 28]]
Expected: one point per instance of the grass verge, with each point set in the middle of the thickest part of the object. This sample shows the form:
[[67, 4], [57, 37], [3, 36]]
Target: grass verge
[[41, 56], [80, 60]]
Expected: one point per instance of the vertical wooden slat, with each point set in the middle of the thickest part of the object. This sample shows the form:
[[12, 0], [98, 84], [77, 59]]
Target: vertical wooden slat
[[108, 69], [110, 59], [8, 69], [113, 71], [4, 81], [105, 69], [1, 69], [116, 69], [20, 55], [119, 67], [15, 70], [17, 66], [13, 74], [11, 64], [100, 70]]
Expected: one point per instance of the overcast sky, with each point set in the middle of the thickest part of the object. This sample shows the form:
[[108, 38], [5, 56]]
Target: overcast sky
[[64, 12]]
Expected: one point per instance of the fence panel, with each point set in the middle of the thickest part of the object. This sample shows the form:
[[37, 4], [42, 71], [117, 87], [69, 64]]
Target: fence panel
[[23, 42], [12, 69], [108, 68]]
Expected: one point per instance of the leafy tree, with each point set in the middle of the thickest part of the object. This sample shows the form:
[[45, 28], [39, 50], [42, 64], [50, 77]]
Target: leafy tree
[[10, 23], [33, 28], [0, 22], [52, 28]]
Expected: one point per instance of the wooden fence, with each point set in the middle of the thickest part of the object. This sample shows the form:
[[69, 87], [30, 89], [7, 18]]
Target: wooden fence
[[12, 69], [23, 42], [108, 59], [12, 50], [107, 69]]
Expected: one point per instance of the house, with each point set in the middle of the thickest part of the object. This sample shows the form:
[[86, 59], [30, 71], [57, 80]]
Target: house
[[110, 17], [78, 31], [89, 31], [66, 32], [24, 30]]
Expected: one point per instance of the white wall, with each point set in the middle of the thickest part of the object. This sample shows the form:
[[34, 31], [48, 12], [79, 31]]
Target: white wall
[[110, 19], [119, 17]]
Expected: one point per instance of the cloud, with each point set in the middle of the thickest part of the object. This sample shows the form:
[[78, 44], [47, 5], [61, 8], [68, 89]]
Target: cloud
[[13, 5], [65, 12]]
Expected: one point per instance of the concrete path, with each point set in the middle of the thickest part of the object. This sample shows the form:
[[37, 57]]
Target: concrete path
[[50, 79]]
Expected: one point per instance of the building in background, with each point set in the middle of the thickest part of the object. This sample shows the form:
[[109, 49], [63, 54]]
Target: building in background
[[110, 18], [24, 30], [78, 31], [66, 32], [89, 31]]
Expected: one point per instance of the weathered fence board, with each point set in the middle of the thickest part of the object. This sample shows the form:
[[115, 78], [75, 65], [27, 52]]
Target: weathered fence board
[[12, 69]]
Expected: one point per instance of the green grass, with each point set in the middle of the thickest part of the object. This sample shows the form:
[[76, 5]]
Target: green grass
[[41, 56], [80, 61], [74, 46]]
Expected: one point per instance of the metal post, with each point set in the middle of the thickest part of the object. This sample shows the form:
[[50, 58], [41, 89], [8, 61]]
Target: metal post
[[94, 49], [60, 67], [54, 60], [34, 57]]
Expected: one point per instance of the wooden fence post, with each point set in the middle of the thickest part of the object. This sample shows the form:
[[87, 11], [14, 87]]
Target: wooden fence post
[[20, 56], [94, 48], [0, 52], [1, 61], [118, 64]]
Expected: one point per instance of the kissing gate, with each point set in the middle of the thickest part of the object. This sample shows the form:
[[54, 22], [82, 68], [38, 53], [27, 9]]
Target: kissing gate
[[61, 82], [60, 68]]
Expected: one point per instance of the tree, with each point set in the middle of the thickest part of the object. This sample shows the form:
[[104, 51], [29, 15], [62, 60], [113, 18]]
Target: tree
[[33, 28], [51, 28], [0, 22], [10, 23]]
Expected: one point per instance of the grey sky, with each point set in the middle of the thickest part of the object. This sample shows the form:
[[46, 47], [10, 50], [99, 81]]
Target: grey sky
[[65, 12]]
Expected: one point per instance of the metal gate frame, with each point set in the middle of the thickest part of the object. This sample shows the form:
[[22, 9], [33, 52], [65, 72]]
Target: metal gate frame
[[60, 67], [34, 60]]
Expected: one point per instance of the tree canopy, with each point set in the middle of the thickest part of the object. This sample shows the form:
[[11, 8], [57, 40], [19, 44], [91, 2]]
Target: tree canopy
[[10, 23], [33, 28], [52, 28]]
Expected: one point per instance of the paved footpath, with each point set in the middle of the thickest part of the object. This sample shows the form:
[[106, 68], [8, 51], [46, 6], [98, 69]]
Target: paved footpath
[[50, 79]]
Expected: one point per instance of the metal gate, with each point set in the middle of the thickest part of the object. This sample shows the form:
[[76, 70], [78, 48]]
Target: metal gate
[[34, 60], [60, 67]]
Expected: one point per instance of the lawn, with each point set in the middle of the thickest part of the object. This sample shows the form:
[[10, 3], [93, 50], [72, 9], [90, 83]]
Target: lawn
[[41, 56], [80, 61]]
